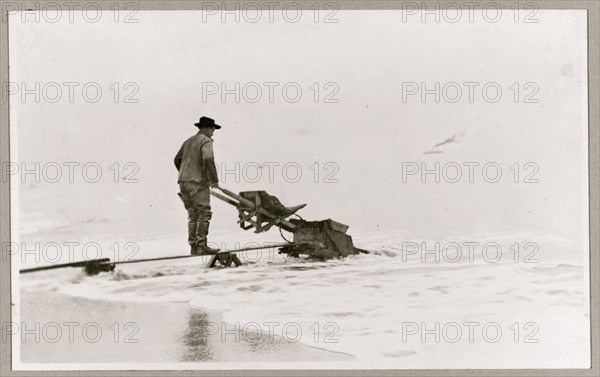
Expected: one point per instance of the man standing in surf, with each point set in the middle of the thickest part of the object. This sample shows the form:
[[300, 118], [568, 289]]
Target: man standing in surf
[[197, 175]]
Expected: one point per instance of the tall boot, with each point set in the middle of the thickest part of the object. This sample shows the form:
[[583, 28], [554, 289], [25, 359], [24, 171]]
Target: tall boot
[[192, 241], [201, 240]]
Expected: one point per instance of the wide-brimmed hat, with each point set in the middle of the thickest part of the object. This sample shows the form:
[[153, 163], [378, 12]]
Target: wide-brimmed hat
[[207, 122]]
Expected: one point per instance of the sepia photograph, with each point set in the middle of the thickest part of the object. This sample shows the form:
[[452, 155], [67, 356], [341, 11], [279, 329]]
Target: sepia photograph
[[297, 185]]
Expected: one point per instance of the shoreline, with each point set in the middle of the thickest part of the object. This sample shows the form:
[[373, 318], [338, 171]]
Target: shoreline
[[57, 328]]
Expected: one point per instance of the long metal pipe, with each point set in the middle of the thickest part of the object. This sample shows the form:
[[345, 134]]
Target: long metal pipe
[[106, 261], [63, 265]]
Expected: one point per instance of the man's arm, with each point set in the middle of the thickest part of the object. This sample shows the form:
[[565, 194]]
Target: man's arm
[[208, 160], [178, 158]]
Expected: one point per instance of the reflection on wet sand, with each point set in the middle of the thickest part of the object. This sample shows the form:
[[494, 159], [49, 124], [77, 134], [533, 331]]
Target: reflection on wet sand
[[142, 333], [195, 338], [205, 339]]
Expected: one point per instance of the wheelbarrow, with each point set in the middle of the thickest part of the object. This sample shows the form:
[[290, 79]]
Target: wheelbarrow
[[320, 240]]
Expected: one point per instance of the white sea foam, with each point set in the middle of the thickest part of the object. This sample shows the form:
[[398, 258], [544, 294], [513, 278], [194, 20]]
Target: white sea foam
[[362, 304]]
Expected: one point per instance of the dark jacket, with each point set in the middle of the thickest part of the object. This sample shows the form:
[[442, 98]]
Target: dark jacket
[[195, 161]]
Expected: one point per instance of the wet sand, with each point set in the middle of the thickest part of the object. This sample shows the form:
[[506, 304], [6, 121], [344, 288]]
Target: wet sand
[[64, 329]]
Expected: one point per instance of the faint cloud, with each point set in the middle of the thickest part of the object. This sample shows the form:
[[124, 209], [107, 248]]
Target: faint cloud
[[567, 70]]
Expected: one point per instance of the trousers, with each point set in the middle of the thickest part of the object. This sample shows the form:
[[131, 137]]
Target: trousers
[[196, 200]]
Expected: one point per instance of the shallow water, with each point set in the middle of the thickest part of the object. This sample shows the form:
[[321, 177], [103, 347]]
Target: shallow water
[[388, 308]]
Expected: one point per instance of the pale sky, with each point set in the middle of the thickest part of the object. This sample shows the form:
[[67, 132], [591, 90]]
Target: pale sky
[[368, 134]]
